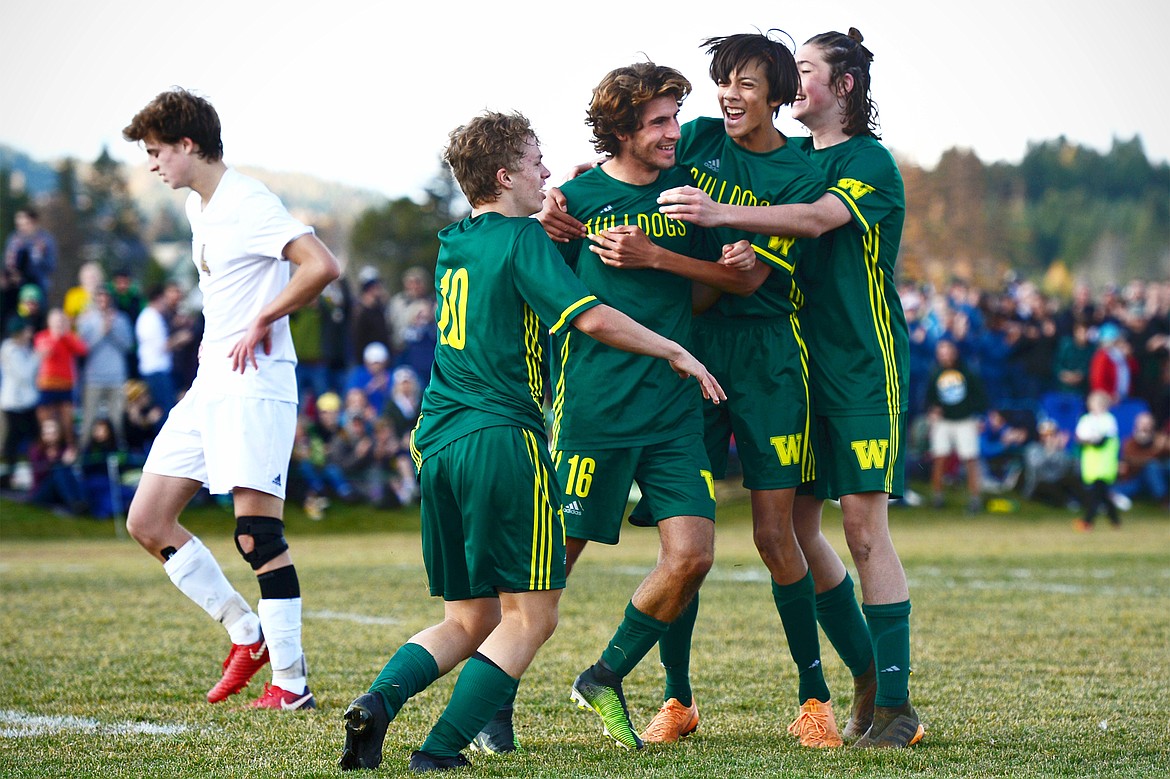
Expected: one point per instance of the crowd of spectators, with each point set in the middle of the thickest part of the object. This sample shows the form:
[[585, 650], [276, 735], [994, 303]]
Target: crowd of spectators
[[998, 382], [1019, 366], [89, 372]]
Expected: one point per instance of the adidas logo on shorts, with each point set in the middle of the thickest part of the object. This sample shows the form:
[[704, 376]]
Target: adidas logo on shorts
[[573, 508], [276, 481]]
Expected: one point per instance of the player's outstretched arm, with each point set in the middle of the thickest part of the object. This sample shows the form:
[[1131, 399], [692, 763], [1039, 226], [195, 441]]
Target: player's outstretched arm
[[316, 267], [613, 328], [627, 246], [799, 220]]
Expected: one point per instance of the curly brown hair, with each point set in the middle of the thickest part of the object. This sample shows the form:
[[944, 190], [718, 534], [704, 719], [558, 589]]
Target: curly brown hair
[[177, 114], [477, 150], [616, 108]]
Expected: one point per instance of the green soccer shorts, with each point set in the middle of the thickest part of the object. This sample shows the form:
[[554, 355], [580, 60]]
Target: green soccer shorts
[[762, 365], [860, 454], [673, 476], [491, 517]]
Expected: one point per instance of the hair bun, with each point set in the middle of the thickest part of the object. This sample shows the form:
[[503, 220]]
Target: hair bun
[[856, 36]]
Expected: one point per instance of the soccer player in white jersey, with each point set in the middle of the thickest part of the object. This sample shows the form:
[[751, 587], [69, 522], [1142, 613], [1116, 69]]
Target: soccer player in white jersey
[[233, 430]]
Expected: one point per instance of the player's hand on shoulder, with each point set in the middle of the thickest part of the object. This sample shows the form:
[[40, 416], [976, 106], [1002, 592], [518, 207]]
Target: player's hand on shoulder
[[555, 219], [582, 167]]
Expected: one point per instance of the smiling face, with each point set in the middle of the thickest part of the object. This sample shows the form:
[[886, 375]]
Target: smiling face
[[747, 111], [652, 146], [817, 104]]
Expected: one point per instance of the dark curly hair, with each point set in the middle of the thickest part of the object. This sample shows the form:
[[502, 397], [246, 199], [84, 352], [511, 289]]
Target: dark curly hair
[[177, 114]]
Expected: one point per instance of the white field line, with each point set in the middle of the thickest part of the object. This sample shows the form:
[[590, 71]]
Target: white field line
[[360, 619], [17, 724]]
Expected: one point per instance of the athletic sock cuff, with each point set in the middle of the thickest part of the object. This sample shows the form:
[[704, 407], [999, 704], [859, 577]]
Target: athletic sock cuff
[[420, 659], [800, 589], [886, 610], [642, 618], [182, 557], [843, 591]]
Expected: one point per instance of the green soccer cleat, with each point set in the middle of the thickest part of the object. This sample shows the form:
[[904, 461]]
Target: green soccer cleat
[[895, 727], [608, 703], [497, 736]]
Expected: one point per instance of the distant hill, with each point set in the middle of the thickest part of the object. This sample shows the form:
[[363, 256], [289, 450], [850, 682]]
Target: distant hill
[[309, 197], [39, 177]]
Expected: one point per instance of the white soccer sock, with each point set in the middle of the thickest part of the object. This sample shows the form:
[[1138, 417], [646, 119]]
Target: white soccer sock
[[281, 621], [195, 572]]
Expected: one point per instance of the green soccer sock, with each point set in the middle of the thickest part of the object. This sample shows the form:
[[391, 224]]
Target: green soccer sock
[[636, 636], [410, 671], [796, 603], [510, 703], [841, 619], [480, 690], [889, 629], [674, 649]]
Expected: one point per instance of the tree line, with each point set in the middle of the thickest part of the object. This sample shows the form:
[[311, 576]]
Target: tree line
[[1064, 212]]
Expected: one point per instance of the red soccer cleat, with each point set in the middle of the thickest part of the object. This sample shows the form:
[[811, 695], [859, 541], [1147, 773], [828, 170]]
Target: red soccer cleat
[[279, 698], [241, 665]]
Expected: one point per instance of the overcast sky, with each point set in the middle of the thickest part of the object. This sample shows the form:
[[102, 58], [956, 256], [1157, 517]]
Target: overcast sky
[[365, 92]]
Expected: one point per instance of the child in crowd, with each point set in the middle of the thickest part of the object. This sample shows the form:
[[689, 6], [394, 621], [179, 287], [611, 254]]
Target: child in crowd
[[55, 483], [1100, 458], [102, 466]]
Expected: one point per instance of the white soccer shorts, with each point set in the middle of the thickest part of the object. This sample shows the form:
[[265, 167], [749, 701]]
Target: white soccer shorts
[[226, 441]]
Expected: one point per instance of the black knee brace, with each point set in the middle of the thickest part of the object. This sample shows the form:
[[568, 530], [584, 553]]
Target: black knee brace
[[267, 539]]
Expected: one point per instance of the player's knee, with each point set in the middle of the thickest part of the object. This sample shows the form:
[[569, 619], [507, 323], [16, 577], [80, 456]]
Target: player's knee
[[536, 625], [771, 538], [693, 563], [479, 628], [145, 529], [544, 626], [260, 540]]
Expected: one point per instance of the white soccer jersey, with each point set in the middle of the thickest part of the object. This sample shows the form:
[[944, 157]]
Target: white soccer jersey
[[237, 243]]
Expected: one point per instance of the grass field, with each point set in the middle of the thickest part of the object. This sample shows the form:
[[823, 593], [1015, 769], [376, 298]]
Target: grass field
[[1038, 652]]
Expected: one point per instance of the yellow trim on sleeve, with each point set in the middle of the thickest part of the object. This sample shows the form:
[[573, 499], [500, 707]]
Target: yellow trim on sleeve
[[571, 311], [772, 259], [851, 204]]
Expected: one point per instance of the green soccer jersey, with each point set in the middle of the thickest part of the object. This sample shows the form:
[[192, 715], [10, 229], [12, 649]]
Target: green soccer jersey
[[606, 398], [501, 288], [731, 174], [854, 325]]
